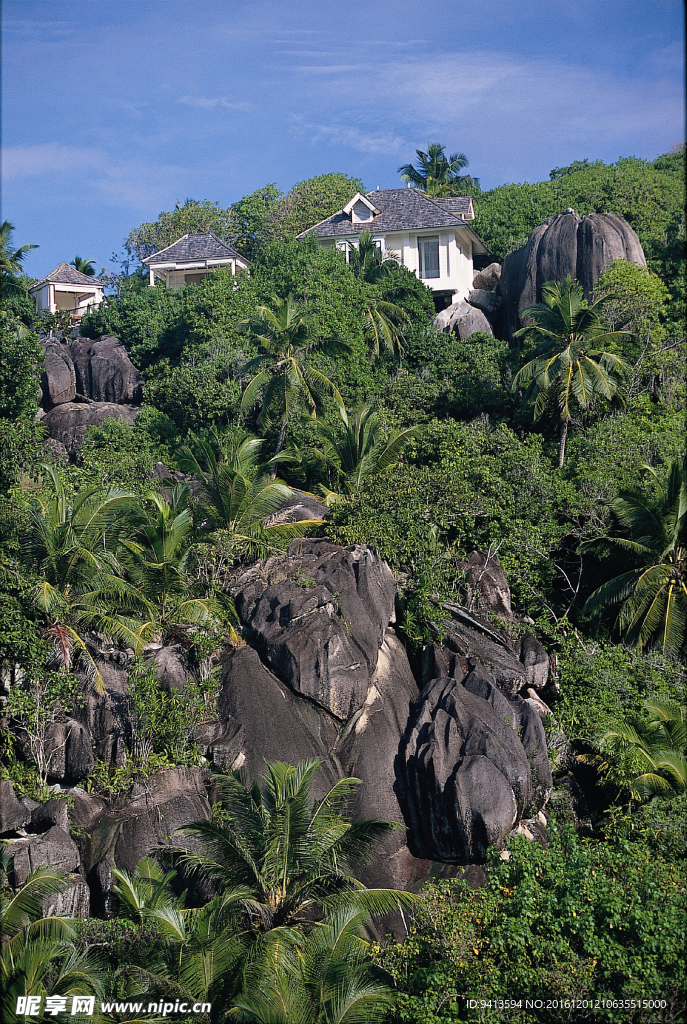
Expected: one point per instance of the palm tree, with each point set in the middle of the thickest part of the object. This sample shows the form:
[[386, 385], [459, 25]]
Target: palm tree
[[238, 498], [285, 336], [291, 852], [11, 262], [157, 558], [70, 543], [569, 360], [38, 956], [382, 320], [435, 173], [83, 266], [653, 532], [361, 451], [658, 742], [325, 977]]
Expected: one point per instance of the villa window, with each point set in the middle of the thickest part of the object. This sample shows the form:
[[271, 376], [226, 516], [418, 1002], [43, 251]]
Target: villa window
[[429, 257]]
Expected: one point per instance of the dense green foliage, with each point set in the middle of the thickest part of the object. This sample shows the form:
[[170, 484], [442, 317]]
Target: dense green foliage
[[583, 921], [425, 449]]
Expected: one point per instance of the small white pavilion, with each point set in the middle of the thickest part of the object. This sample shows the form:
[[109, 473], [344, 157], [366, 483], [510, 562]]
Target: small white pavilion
[[191, 259], [67, 290]]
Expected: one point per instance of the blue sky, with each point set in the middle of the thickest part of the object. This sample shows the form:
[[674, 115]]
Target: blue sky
[[115, 109]]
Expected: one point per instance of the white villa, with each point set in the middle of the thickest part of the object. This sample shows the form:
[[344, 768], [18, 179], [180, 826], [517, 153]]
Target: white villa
[[67, 290], [432, 237], [191, 259]]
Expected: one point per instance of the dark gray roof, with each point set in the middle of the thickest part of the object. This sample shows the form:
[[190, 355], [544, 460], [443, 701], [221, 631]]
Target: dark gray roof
[[64, 274], [456, 204], [402, 209], [192, 248]]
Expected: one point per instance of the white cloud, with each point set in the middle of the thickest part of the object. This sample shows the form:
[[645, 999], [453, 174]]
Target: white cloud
[[356, 138], [210, 102]]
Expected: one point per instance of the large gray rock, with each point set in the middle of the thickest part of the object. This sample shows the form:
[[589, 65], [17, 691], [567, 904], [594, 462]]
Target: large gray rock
[[463, 776], [562, 246], [104, 372], [170, 665], [487, 584], [73, 901], [367, 750], [488, 279], [55, 848], [462, 319], [52, 812], [69, 752], [68, 423], [155, 808], [58, 380], [107, 716], [472, 645], [13, 813], [489, 302], [261, 719], [318, 616], [536, 662]]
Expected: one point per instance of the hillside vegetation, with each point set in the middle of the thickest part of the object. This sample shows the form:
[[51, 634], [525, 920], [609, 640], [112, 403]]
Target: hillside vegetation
[[427, 447]]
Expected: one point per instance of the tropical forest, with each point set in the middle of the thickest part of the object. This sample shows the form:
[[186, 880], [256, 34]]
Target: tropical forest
[[343, 628]]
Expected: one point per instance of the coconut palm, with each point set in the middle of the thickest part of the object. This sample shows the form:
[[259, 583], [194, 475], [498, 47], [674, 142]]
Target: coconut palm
[[569, 360], [361, 450], [11, 262], [286, 336], [202, 949], [83, 266], [435, 173], [325, 977], [658, 743], [37, 952], [383, 321], [293, 853], [158, 560], [70, 543], [238, 498], [652, 531], [367, 261]]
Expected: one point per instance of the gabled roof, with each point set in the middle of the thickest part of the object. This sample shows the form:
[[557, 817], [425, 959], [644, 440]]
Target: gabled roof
[[192, 248], [359, 198], [401, 209], [64, 274]]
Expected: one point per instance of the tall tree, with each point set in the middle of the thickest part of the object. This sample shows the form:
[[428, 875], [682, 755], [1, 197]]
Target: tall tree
[[361, 450], [285, 335], [569, 360], [657, 744], [71, 545], [292, 852], [83, 266], [11, 263], [435, 173], [651, 531], [326, 977]]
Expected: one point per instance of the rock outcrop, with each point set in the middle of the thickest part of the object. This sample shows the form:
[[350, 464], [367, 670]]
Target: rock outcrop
[[321, 674], [462, 319], [58, 380], [104, 372], [567, 244], [472, 763], [69, 422], [84, 382], [488, 279]]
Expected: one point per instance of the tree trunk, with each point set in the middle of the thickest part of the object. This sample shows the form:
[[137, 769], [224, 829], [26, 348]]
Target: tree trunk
[[280, 445], [561, 444]]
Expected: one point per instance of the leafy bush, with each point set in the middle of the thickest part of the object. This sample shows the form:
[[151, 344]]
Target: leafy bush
[[583, 920]]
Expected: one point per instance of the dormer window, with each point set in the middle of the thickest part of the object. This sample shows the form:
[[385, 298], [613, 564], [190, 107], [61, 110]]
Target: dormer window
[[360, 209]]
